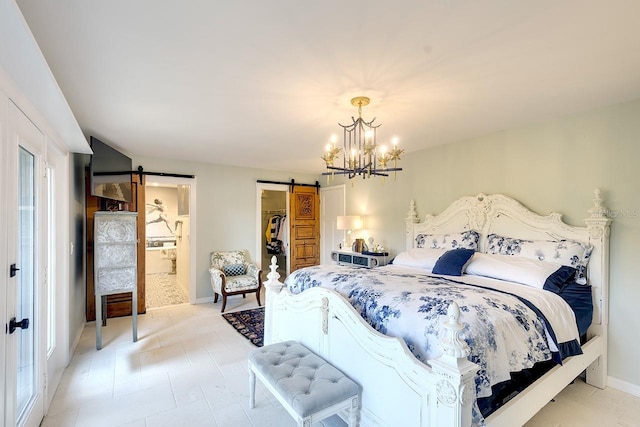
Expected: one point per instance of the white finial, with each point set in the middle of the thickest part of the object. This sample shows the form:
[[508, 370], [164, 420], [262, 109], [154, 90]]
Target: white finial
[[273, 276], [598, 210], [412, 214], [452, 343]]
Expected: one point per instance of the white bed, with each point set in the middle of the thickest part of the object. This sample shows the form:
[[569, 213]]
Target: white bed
[[397, 388]]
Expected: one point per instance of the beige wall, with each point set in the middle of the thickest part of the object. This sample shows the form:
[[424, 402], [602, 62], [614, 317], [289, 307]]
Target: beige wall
[[226, 207], [553, 166]]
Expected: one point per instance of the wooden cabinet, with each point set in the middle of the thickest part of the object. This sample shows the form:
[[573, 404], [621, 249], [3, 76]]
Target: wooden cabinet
[[115, 263], [118, 304]]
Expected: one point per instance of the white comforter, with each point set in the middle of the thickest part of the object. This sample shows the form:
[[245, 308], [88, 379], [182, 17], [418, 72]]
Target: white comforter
[[505, 335]]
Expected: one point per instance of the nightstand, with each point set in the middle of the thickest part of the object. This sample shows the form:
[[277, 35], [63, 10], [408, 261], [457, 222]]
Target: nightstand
[[368, 259]]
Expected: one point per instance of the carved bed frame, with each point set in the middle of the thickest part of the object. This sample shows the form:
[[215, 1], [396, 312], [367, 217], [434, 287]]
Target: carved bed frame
[[396, 386]]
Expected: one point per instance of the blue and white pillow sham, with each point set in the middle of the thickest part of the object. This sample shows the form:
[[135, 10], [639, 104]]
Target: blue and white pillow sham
[[465, 240], [564, 252]]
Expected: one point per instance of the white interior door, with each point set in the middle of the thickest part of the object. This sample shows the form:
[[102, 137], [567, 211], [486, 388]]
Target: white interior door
[[332, 205], [24, 364]]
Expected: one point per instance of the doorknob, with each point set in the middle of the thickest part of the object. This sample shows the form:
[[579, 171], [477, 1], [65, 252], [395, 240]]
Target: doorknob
[[23, 324], [12, 270]]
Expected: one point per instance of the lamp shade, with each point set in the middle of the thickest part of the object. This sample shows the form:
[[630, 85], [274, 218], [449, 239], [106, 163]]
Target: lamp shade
[[349, 222]]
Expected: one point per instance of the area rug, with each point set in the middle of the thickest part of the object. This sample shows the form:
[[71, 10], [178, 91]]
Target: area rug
[[162, 289], [250, 323]]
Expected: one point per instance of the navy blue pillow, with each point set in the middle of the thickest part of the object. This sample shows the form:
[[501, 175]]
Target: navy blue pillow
[[453, 262], [580, 298], [558, 280]]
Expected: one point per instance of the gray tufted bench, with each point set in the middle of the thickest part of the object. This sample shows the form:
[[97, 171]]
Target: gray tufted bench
[[307, 386]]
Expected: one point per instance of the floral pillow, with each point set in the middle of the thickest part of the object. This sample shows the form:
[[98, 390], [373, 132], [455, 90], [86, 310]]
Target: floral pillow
[[565, 252], [465, 240]]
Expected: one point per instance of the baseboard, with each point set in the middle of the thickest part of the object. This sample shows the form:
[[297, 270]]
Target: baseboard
[[204, 300], [74, 345], [623, 386]]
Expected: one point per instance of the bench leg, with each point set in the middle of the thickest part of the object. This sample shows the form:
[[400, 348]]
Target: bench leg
[[354, 413], [252, 388]]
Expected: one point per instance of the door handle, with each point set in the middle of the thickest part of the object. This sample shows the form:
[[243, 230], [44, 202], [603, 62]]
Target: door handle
[[23, 324], [13, 270]]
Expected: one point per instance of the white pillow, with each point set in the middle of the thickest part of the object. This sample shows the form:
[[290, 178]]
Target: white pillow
[[419, 257], [531, 272]]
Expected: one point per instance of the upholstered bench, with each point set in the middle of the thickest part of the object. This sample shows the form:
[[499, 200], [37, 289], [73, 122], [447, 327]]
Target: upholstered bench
[[307, 386]]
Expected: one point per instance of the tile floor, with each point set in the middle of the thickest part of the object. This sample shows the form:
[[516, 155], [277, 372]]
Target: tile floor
[[162, 290], [189, 368]]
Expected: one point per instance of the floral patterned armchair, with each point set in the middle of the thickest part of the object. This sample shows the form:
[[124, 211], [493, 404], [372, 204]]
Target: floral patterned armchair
[[232, 274]]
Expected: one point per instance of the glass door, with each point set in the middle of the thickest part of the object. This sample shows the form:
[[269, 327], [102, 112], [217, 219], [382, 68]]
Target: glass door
[[24, 364], [26, 286]]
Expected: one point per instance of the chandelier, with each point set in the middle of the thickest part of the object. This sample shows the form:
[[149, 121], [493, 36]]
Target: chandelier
[[362, 155]]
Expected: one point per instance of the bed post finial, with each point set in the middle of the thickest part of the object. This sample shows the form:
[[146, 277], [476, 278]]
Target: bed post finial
[[599, 219], [412, 214], [452, 343], [272, 289], [410, 220], [598, 210], [273, 275], [455, 390]]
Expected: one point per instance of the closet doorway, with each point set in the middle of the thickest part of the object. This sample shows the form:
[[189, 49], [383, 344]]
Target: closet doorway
[[170, 231], [273, 228]]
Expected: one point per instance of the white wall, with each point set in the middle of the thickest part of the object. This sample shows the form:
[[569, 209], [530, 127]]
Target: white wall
[[226, 208], [553, 166]]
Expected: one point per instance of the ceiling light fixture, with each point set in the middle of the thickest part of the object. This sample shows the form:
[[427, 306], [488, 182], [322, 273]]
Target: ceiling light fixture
[[365, 157]]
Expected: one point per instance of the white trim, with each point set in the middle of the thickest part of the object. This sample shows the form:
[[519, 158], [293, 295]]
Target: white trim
[[204, 300], [325, 253], [624, 386]]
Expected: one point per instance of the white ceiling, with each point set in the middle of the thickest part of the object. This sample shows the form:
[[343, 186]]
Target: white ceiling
[[264, 83]]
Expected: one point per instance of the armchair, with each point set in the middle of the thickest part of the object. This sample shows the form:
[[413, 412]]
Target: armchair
[[232, 274]]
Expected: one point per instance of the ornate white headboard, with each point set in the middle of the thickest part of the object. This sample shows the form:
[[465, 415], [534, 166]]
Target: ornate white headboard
[[503, 215]]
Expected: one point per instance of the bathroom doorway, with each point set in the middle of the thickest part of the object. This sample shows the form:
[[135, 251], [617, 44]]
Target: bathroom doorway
[[170, 241]]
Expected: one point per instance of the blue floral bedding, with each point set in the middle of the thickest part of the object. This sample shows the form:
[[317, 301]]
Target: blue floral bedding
[[508, 328]]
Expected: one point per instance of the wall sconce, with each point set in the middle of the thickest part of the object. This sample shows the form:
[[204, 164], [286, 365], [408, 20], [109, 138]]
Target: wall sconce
[[349, 223]]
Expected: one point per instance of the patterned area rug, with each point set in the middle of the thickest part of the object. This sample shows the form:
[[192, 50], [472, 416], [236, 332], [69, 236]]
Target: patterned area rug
[[250, 323], [162, 290]]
